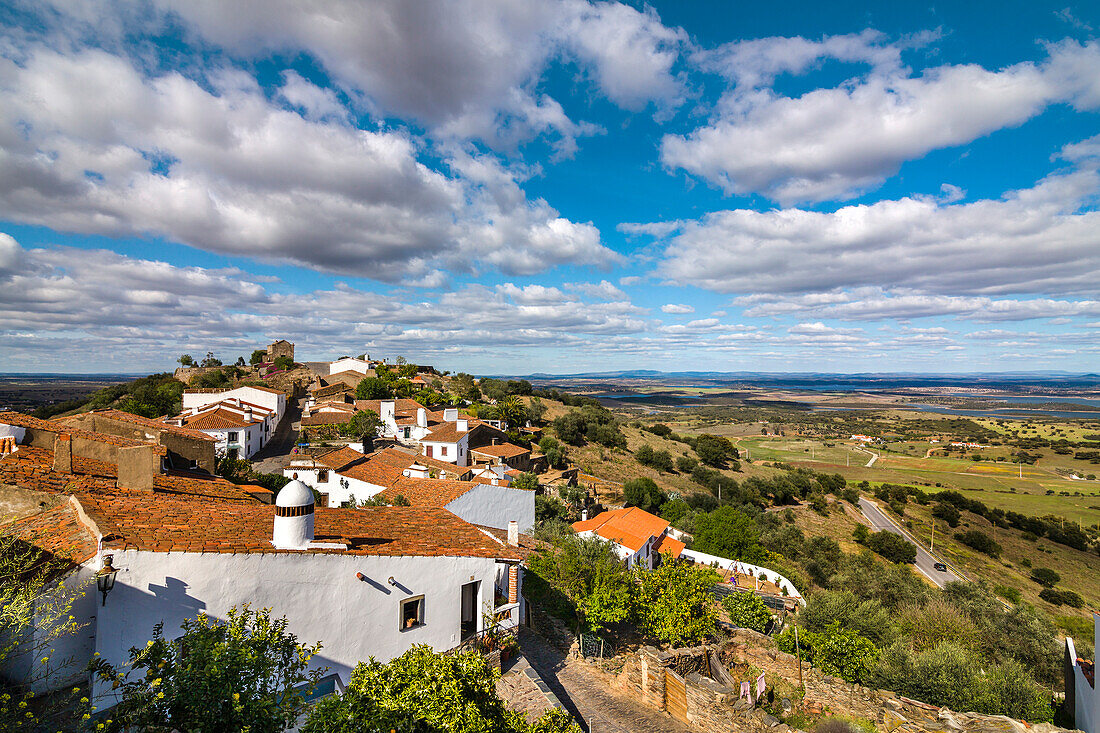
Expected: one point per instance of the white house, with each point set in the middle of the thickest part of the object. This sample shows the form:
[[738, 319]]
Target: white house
[[270, 399], [638, 537], [240, 428], [364, 582], [350, 364], [1082, 693]]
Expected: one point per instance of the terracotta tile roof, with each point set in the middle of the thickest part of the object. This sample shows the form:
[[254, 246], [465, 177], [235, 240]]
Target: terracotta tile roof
[[172, 525], [427, 492], [448, 432], [58, 531], [528, 545], [504, 450], [332, 389], [630, 527], [145, 422], [670, 545], [384, 467], [32, 468], [328, 418], [218, 418], [216, 390], [26, 421]]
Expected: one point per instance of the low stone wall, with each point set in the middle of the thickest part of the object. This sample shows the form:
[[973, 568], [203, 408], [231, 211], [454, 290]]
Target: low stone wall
[[713, 707]]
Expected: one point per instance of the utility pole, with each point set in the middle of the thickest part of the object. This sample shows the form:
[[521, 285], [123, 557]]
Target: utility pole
[[932, 542]]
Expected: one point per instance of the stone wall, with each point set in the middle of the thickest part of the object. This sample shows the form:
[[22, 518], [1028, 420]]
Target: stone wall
[[713, 707]]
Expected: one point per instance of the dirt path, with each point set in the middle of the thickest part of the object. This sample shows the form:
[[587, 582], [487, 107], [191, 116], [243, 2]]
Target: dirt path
[[587, 691]]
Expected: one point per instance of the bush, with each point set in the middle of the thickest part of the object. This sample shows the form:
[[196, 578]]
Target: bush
[[980, 541], [674, 603], [835, 651], [893, 547], [373, 388], [675, 510], [1060, 597], [686, 464], [747, 611], [947, 512], [714, 450], [644, 493], [866, 617], [730, 533], [1009, 594], [1045, 577]]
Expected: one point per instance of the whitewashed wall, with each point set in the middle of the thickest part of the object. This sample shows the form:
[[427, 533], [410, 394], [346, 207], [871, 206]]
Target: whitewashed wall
[[495, 506], [726, 564], [336, 493], [318, 593]]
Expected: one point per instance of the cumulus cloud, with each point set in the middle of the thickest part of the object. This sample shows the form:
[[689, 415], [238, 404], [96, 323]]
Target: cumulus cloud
[[131, 310], [1038, 240], [836, 142], [89, 144], [677, 308]]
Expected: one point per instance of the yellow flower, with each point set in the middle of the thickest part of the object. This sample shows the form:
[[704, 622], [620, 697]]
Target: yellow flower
[[160, 695], [155, 682]]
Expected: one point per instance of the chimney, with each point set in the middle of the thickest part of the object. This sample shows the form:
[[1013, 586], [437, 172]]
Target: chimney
[[494, 441], [294, 509], [421, 417], [387, 408], [584, 515], [462, 425], [248, 414], [63, 453], [450, 414], [513, 533], [137, 466], [513, 583]]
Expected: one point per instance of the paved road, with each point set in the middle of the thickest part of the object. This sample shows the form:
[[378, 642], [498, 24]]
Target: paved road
[[583, 689], [925, 559], [275, 456]]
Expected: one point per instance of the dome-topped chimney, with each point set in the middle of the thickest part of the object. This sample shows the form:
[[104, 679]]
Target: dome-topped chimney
[[293, 517]]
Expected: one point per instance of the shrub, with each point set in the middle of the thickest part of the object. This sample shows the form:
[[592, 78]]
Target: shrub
[[1045, 577], [675, 510], [674, 603], [980, 541], [1009, 594], [747, 611], [866, 617], [643, 493], [931, 624], [893, 547], [947, 512], [1060, 597], [686, 464], [835, 651]]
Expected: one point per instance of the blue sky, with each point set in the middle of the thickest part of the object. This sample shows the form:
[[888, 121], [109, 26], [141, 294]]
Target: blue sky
[[554, 186]]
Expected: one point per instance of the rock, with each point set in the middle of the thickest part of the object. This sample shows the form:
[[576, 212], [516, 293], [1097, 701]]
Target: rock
[[893, 703], [893, 720], [769, 720], [785, 705], [813, 707], [950, 722]]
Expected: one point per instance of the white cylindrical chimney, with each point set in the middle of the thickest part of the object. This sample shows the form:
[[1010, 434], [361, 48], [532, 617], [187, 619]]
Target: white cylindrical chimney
[[294, 507], [584, 515], [421, 417], [513, 533]]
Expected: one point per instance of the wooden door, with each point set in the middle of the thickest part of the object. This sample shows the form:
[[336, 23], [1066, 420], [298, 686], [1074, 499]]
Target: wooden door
[[676, 696]]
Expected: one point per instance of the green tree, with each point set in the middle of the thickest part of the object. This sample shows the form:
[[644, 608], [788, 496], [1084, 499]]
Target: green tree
[[373, 388], [845, 653], [211, 360], [730, 533], [747, 611], [980, 541], [644, 493], [233, 675], [425, 691], [1045, 577], [186, 360], [34, 616], [528, 481], [283, 362], [714, 450], [893, 547], [258, 357], [363, 422], [947, 512], [590, 575], [674, 603], [674, 511], [512, 410]]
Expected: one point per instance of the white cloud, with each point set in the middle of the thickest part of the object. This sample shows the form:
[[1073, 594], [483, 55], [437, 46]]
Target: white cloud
[[834, 143], [90, 145], [1038, 240], [677, 309], [603, 290]]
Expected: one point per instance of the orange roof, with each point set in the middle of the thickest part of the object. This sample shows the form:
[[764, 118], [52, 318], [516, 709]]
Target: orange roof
[[384, 467], [670, 545], [630, 527], [504, 450], [144, 422], [448, 432], [428, 492], [217, 419], [216, 390], [170, 525], [32, 468], [33, 423], [58, 531]]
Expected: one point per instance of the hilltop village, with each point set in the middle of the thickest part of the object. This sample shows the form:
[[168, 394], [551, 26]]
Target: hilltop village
[[385, 508]]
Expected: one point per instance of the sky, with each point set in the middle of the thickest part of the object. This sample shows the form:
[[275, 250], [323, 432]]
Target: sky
[[557, 187]]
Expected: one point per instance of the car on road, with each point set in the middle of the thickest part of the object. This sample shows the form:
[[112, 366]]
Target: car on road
[[940, 566]]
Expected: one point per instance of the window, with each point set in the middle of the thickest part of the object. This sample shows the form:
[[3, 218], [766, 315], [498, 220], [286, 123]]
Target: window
[[443, 451], [233, 436], [408, 432], [412, 613], [322, 477]]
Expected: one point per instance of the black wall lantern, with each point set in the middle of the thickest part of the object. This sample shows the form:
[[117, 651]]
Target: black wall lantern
[[105, 578]]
